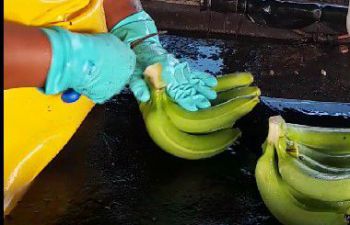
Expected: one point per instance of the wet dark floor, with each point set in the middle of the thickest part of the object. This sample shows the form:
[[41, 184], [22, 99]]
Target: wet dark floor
[[288, 70], [111, 173]]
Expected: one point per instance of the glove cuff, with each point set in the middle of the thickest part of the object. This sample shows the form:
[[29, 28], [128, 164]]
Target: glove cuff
[[135, 27], [56, 81], [136, 17]]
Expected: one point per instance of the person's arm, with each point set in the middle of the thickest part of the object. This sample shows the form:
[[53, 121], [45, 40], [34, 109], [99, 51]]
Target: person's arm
[[117, 10], [96, 65], [27, 56]]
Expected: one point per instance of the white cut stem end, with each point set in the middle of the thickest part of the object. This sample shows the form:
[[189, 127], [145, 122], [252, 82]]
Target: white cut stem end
[[276, 124], [153, 74]]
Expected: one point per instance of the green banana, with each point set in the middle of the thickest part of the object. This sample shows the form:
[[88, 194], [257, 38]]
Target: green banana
[[233, 80], [323, 170], [208, 120], [330, 140], [202, 134], [179, 143], [319, 184], [340, 161], [238, 92], [293, 180], [319, 205], [235, 99], [282, 204]]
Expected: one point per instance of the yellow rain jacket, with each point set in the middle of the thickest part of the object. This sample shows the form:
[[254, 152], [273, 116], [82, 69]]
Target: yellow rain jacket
[[37, 126]]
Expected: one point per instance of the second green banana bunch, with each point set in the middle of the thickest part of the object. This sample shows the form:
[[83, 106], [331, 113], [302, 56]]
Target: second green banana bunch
[[304, 174], [201, 134]]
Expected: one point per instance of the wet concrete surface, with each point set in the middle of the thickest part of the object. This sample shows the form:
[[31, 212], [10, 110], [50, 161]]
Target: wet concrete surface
[[287, 70], [112, 173]]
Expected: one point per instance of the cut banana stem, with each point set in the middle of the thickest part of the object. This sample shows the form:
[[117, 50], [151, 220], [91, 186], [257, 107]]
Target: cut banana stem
[[153, 75], [234, 80], [293, 180]]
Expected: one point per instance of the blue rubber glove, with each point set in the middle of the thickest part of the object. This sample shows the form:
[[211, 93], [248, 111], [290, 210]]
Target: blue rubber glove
[[191, 90], [96, 65]]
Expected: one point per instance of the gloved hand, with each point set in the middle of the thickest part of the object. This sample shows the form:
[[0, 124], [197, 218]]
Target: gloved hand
[[96, 65], [191, 90]]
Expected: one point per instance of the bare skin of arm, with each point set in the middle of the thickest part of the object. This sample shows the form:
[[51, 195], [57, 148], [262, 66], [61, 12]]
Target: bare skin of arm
[[27, 56], [117, 10]]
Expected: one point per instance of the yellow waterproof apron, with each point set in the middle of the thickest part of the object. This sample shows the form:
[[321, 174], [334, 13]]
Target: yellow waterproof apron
[[38, 126]]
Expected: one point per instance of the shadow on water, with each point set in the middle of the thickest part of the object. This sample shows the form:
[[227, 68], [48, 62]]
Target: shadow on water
[[112, 173]]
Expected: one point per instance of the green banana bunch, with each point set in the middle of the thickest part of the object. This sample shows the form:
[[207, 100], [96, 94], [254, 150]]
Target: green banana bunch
[[304, 174], [201, 134]]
